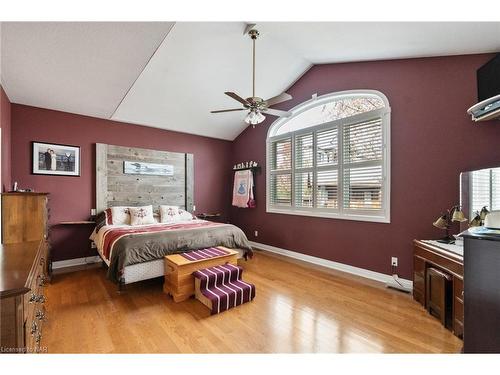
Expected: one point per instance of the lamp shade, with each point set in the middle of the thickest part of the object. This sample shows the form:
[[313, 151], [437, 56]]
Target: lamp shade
[[441, 222], [476, 221], [254, 117], [483, 213], [458, 215]]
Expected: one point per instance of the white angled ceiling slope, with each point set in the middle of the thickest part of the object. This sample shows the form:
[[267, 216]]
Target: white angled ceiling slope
[[196, 64], [76, 67], [111, 70]]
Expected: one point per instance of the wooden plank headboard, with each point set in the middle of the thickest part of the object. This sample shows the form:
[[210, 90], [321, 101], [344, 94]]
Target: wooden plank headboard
[[115, 188]]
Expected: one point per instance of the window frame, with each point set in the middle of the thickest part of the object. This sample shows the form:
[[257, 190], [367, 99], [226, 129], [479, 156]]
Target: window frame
[[380, 216], [491, 195]]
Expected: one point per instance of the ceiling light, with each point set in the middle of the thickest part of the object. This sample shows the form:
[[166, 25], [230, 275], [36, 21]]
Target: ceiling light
[[254, 118]]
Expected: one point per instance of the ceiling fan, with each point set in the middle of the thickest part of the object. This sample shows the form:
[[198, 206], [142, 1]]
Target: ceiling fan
[[257, 106]]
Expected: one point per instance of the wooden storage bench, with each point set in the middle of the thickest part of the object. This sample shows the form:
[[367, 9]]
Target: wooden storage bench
[[179, 279]]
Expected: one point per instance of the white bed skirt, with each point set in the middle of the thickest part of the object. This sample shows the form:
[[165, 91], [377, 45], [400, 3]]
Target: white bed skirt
[[146, 270]]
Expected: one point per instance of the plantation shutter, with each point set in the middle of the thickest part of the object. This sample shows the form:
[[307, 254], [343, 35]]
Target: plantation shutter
[[362, 166], [281, 173], [332, 159], [303, 184], [327, 177]]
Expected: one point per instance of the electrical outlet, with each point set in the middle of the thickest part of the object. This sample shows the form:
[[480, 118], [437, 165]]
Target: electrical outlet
[[394, 261], [93, 212], [256, 233], [92, 245]]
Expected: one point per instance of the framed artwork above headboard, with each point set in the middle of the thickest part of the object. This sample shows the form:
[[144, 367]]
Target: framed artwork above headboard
[[132, 176]]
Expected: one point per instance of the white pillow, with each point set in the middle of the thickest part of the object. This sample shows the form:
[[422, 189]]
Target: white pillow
[[141, 215], [169, 214], [120, 215], [185, 215]]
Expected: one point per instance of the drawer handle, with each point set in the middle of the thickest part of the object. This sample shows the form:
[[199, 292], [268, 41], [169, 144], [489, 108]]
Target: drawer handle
[[42, 280], [34, 328], [40, 315], [40, 298]]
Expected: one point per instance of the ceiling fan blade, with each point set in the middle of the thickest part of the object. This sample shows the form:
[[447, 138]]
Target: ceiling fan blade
[[277, 112], [229, 110], [283, 97], [237, 97]]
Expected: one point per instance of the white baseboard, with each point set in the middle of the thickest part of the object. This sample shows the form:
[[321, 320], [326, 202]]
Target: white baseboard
[[382, 277], [76, 262]]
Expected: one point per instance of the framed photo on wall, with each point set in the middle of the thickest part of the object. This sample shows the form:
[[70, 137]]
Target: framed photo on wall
[[55, 160]]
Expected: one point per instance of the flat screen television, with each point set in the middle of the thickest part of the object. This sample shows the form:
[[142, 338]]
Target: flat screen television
[[488, 79]]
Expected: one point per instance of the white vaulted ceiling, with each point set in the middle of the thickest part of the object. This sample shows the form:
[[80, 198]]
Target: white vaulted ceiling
[[77, 67], [170, 76], [196, 64]]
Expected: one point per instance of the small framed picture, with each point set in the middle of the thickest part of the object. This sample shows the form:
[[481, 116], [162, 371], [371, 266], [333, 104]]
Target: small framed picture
[[55, 160]]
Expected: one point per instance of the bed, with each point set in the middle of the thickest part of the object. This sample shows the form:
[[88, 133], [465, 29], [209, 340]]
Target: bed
[[135, 253]]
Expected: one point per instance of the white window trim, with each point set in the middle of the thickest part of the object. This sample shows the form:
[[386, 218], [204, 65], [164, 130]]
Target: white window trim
[[342, 213]]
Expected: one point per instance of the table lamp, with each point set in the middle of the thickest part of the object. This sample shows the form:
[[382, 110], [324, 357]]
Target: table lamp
[[445, 221]]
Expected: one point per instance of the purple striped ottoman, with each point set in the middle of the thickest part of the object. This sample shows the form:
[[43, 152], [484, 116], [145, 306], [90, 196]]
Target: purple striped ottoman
[[221, 288]]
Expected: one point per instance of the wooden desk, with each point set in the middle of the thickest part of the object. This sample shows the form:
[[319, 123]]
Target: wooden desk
[[426, 256]]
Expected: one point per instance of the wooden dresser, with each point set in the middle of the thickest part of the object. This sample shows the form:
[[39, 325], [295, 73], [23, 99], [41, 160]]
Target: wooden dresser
[[24, 217], [438, 285], [24, 270], [22, 310]]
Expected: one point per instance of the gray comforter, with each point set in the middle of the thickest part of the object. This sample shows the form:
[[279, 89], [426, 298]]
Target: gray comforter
[[144, 247]]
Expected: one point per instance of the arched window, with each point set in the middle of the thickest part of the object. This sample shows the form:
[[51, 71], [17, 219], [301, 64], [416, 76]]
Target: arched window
[[331, 158]]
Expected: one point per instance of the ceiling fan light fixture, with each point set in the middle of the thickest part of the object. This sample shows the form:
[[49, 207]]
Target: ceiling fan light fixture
[[254, 117], [255, 105]]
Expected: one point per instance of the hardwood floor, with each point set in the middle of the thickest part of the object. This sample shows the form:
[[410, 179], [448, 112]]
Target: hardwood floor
[[298, 308]]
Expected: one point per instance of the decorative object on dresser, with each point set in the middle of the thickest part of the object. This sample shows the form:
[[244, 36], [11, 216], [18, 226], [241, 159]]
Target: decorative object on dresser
[[23, 273], [55, 159], [481, 292], [438, 274], [445, 221], [179, 268]]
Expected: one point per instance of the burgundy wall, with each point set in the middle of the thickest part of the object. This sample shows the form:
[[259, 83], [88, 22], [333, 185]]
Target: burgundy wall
[[5, 125], [73, 197], [433, 139]]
